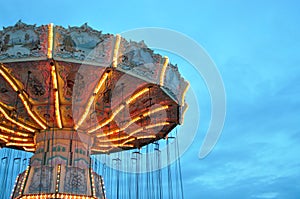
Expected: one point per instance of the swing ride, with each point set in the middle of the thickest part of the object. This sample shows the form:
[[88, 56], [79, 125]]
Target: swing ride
[[77, 99]]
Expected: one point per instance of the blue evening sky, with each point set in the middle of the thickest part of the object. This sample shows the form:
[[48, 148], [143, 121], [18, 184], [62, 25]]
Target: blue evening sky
[[255, 45]]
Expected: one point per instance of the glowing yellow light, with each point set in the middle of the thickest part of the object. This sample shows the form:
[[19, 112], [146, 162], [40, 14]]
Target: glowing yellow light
[[93, 184], [184, 92], [91, 100], [28, 109], [13, 132], [14, 121], [19, 139], [15, 185], [114, 139], [50, 40], [116, 51], [4, 139], [146, 137], [117, 111], [108, 133], [20, 144], [56, 97], [104, 144], [131, 99], [136, 131], [100, 83], [24, 101], [132, 121], [102, 150], [29, 149], [58, 177], [8, 79], [129, 140], [156, 110], [148, 127], [157, 125], [53, 73], [163, 71], [138, 94], [24, 179], [108, 120], [142, 137], [117, 145], [126, 145]]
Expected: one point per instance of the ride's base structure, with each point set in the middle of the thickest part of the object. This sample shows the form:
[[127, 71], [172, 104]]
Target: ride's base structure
[[87, 103], [56, 172]]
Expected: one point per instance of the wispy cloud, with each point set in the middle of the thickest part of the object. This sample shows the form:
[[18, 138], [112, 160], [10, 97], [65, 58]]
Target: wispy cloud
[[268, 195]]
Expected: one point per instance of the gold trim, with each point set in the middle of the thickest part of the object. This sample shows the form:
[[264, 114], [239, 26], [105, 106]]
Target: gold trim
[[116, 51]]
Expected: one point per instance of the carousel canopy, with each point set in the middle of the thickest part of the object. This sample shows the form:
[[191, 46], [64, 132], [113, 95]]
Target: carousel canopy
[[119, 93]]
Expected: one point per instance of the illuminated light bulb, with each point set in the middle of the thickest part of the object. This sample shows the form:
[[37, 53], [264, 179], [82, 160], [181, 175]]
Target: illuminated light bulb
[[14, 121], [123, 144], [136, 131], [163, 71], [117, 111], [138, 94], [127, 145], [15, 186], [3, 136], [50, 40], [106, 145], [131, 99], [156, 110], [20, 144], [108, 133], [29, 149], [132, 121], [157, 124], [129, 140], [8, 79], [116, 51], [4, 139], [7, 130], [107, 121], [147, 127], [146, 137], [58, 178], [142, 137], [28, 109], [56, 97], [18, 139], [114, 139], [93, 184], [24, 100], [102, 150], [90, 101]]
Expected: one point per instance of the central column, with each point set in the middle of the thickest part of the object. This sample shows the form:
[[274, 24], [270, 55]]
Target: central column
[[60, 168], [60, 146]]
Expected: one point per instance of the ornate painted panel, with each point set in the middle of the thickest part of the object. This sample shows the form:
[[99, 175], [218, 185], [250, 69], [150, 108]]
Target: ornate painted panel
[[83, 44], [23, 42], [137, 59], [41, 180], [75, 181]]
